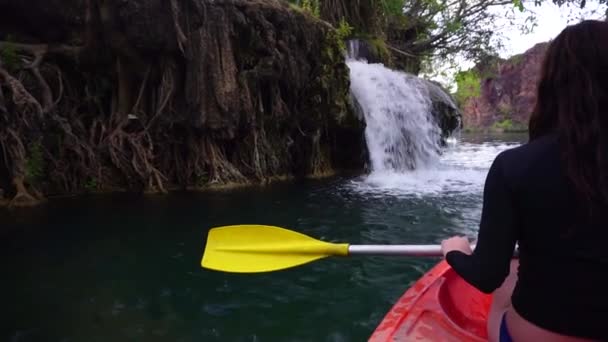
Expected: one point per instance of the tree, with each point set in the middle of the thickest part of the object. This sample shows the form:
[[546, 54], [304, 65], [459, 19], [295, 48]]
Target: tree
[[446, 28], [580, 3]]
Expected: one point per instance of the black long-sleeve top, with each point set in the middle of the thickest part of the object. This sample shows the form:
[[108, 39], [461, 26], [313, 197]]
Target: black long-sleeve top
[[563, 268]]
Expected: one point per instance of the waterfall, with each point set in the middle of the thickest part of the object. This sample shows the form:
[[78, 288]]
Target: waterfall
[[353, 49], [401, 133]]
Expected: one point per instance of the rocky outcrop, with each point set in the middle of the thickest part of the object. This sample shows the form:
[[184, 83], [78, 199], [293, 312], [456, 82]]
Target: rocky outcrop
[[150, 95], [445, 110], [371, 50], [507, 92], [444, 107]]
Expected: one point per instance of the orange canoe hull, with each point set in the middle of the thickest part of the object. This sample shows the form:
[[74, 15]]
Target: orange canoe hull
[[440, 306]]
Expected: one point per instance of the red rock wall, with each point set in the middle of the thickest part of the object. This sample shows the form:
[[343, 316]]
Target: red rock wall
[[508, 91]]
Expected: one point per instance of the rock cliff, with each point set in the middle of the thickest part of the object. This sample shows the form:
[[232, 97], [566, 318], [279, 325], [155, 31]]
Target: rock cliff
[[507, 92], [150, 95]]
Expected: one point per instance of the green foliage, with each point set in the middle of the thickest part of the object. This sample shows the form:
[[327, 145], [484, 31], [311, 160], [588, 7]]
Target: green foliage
[[508, 126], [468, 85], [311, 6], [517, 59], [34, 164], [454, 25], [91, 184], [8, 55], [579, 3], [379, 48], [519, 4], [392, 7], [343, 32], [504, 125]]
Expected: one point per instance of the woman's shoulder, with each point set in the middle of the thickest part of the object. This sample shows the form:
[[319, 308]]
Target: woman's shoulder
[[540, 153], [532, 150]]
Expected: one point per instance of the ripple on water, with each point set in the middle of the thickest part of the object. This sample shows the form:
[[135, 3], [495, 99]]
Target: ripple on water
[[67, 283], [461, 170]]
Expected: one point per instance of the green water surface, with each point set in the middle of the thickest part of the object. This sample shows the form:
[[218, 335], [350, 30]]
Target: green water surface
[[126, 268]]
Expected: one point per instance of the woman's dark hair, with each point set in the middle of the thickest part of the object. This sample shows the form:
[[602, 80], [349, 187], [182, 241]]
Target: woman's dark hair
[[572, 101]]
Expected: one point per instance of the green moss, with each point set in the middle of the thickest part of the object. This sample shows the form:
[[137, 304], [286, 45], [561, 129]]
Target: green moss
[[293, 6], [34, 164], [9, 57], [517, 59], [504, 125], [377, 45], [519, 4], [468, 85], [343, 32], [91, 184], [311, 7], [202, 180], [379, 48], [331, 85], [392, 7], [507, 125]]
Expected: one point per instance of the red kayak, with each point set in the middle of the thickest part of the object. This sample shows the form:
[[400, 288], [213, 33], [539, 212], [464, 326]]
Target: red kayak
[[440, 306]]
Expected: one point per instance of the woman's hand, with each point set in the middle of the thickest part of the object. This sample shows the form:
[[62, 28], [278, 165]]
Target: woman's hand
[[456, 243]]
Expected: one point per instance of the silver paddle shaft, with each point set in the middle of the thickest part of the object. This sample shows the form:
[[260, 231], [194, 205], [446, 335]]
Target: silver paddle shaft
[[408, 250]]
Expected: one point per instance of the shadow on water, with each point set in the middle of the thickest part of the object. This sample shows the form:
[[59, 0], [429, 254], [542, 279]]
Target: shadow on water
[[126, 268]]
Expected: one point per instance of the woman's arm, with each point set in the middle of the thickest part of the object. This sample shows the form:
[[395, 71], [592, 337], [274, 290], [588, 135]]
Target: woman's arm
[[488, 266]]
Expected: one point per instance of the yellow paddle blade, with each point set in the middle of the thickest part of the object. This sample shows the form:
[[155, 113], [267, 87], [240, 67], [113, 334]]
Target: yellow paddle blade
[[256, 248]]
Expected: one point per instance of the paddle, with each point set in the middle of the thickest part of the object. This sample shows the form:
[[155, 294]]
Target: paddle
[[257, 248]]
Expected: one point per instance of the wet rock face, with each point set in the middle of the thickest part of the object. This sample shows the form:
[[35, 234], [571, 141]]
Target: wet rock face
[[149, 95], [508, 91], [444, 109]]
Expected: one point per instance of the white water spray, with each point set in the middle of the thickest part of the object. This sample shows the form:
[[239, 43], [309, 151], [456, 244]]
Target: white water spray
[[401, 132], [403, 137]]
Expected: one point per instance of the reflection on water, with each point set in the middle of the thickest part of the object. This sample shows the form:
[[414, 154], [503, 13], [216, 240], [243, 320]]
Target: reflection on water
[[126, 268]]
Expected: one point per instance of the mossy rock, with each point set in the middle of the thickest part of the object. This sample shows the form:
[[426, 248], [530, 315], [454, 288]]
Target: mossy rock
[[373, 50]]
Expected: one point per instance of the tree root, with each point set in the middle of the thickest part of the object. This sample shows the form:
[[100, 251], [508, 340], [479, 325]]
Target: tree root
[[124, 118], [23, 198], [319, 165], [220, 170], [25, 102], [34, 54], [179, 33]]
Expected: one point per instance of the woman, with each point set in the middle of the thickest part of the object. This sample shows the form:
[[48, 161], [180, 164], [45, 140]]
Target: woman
[[550, 196]]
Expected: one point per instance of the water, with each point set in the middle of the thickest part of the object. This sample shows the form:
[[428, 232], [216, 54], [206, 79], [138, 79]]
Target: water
[[126, 268], [401, 132]]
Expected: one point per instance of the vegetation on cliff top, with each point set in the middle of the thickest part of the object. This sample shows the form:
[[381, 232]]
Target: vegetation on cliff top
[[468, 85], [420, 34]]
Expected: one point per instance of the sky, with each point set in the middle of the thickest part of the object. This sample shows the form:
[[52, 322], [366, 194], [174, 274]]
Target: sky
[[551, 21]]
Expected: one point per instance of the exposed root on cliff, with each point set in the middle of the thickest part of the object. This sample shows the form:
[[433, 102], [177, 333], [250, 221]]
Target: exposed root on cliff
[[218, 168], [21, 98], [13, 148], [132, 153], [319, 165], [26, 112], [185, 101], [180, 36], [23, 198]]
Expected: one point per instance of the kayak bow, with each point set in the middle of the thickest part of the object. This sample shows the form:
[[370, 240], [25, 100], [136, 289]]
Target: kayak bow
[[440, 306]]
